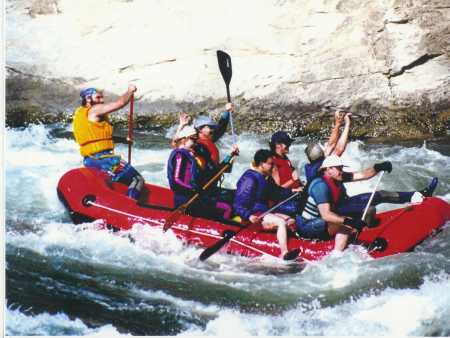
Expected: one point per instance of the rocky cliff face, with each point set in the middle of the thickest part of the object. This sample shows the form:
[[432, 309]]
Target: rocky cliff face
[[387, 59]]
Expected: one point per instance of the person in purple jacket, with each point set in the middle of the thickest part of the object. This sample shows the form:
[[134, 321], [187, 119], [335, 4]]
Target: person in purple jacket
[[255, 189], [183, 173]]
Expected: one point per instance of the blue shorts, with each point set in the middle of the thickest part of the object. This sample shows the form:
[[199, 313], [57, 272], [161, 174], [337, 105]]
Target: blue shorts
[[289, 208], [351, 210], [312, 229], [107, 161]]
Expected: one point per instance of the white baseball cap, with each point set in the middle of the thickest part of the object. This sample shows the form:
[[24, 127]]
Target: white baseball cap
[[333, 161]]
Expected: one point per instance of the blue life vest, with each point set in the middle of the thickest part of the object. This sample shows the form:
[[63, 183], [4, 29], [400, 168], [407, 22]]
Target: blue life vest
[[263, 187], [311, 169], [195, 169]]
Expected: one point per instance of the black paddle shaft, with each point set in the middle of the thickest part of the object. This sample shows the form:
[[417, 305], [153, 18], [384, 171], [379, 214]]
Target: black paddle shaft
[[228, 235], [217, 246], [225, 68]]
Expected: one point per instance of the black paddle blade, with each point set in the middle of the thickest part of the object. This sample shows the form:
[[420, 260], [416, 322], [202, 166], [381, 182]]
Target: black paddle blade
[[225, 66], [216, 247]]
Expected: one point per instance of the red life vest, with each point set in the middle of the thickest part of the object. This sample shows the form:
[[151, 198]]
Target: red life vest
[[335, 190], [285, 170], [212, 149]]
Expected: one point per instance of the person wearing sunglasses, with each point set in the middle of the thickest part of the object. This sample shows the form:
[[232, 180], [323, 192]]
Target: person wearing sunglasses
[[183, 170]]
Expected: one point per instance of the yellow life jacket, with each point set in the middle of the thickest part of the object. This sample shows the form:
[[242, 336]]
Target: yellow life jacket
[[93, 137]]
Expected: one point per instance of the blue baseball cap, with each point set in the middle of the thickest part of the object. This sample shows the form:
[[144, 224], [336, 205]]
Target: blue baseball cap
[[204, 121]]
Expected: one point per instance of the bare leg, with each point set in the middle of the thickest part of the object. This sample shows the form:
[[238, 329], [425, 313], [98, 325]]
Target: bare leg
[[342, 235], [290, 221], [340, 241], [282, 239], [271, 221]]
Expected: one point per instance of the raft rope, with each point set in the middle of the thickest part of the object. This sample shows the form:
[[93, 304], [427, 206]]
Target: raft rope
[[176, 227], [248, 246], [152, 221], [124, 213]]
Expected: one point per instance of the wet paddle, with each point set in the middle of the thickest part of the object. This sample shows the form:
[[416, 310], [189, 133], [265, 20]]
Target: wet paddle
[[208, 252], [130, 127], [180, 211], [225, 68], [368, 204]]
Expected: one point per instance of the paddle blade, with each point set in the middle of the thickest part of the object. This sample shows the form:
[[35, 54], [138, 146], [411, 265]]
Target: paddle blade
[[214, 248], [174, 216], [225, 66]]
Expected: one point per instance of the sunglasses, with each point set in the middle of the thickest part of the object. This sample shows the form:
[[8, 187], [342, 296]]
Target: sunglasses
[[340, 168], [194, 138]]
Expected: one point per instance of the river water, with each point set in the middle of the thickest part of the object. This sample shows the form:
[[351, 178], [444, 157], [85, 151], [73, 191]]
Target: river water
[[61, 280]]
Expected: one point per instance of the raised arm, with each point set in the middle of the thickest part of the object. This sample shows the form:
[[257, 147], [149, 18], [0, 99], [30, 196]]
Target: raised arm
[[98, 110], [184, 120], [223, 122], [331, 144], [342, 142]]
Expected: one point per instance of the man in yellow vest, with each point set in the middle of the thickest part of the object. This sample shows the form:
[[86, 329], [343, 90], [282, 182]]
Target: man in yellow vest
[[94, 134]]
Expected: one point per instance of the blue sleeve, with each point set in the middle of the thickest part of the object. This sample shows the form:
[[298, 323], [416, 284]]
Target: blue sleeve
[[221, 127], [243, 199], [320, 192]]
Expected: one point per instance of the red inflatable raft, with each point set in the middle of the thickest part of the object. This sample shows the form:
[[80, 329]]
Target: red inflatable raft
[[89, 194]]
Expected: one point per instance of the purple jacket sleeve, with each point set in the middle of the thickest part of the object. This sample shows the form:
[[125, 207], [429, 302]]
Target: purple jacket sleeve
[[176, 176]]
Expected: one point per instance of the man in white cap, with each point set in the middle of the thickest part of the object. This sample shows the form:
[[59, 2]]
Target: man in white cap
[[327, 210], [315, 153], [317, 216]]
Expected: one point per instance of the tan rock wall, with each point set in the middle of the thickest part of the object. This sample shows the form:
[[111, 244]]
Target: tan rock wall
[[290, 58]]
